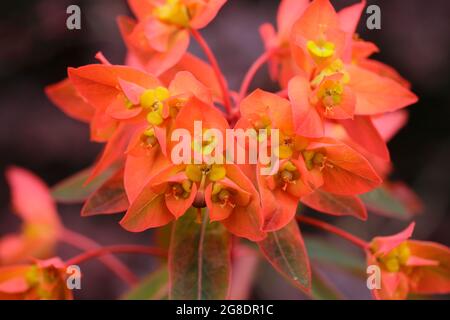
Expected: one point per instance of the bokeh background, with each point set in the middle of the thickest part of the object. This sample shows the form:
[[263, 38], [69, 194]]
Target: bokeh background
[[36, 48]]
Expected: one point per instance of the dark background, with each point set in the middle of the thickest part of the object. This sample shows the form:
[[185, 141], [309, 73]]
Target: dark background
[[36, 48]]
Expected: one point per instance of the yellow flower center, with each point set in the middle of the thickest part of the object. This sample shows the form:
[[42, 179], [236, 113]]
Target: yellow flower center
[[153, 99], [330, 93], [197, 173], [313, 159], [287, 174], [180, 190], [397, 258], [173, 12], [222, 195], [148, 138], [289, 144], [337, 66], [320, 49]]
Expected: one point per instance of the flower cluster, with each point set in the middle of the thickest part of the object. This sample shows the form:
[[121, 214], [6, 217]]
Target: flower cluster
[[334, 113]]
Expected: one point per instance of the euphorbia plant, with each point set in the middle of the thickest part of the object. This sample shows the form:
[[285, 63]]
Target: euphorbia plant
[[331, 118]]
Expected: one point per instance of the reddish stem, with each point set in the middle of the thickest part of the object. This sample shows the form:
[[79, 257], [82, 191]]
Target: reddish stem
[[337, 231], [215, 65], [137, 249], [114, 264], [259, 62]]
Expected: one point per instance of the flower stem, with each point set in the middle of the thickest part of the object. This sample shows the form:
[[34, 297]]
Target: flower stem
[[152, 251], [337, 231], [215, 65], [85, 244], [259, 62]]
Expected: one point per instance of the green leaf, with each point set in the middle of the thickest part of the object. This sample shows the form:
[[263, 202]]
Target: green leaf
[[73, 190], [325, 252], [286, 252], [109, 198], [199, 259], [382, 201], [154, 287]]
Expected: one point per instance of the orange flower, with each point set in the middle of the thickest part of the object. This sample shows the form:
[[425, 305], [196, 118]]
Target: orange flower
[[305, 165], [329, 86], [41, 280], [222, 188], [31, 200], [134, 99], [281, 65], [409, 266], [160, 38]]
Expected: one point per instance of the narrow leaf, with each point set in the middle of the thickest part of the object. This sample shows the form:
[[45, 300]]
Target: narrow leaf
[[286, 251], [109, 198], [336, 204], [73, 188], [154, 287], [199, 259], [383, 202]]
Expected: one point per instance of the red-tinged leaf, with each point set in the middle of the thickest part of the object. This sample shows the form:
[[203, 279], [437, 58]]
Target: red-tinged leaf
[[147, 211], [109, 198], [153, 287], [199, 259], [74, 189], [383, 202], [334, 204], [363, 132], [64, 95], [286, 252], [162, 236]]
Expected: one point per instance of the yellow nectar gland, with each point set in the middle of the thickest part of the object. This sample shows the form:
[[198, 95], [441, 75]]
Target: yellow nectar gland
[[313, 159], [197, 173], [204, 147], [264, 124], [173, 12], [181, 190], [153, 99], [320, 49], [330, 93], [337, 66], [148, 138], [397, 258], [42, 280], [222, 195], [287, 174], [289, 144]]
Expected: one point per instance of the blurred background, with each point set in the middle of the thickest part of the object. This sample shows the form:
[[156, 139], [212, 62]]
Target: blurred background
[[36, 49]]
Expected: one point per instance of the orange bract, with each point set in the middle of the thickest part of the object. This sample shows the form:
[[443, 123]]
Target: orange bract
[[324, 136], [409, 266]]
